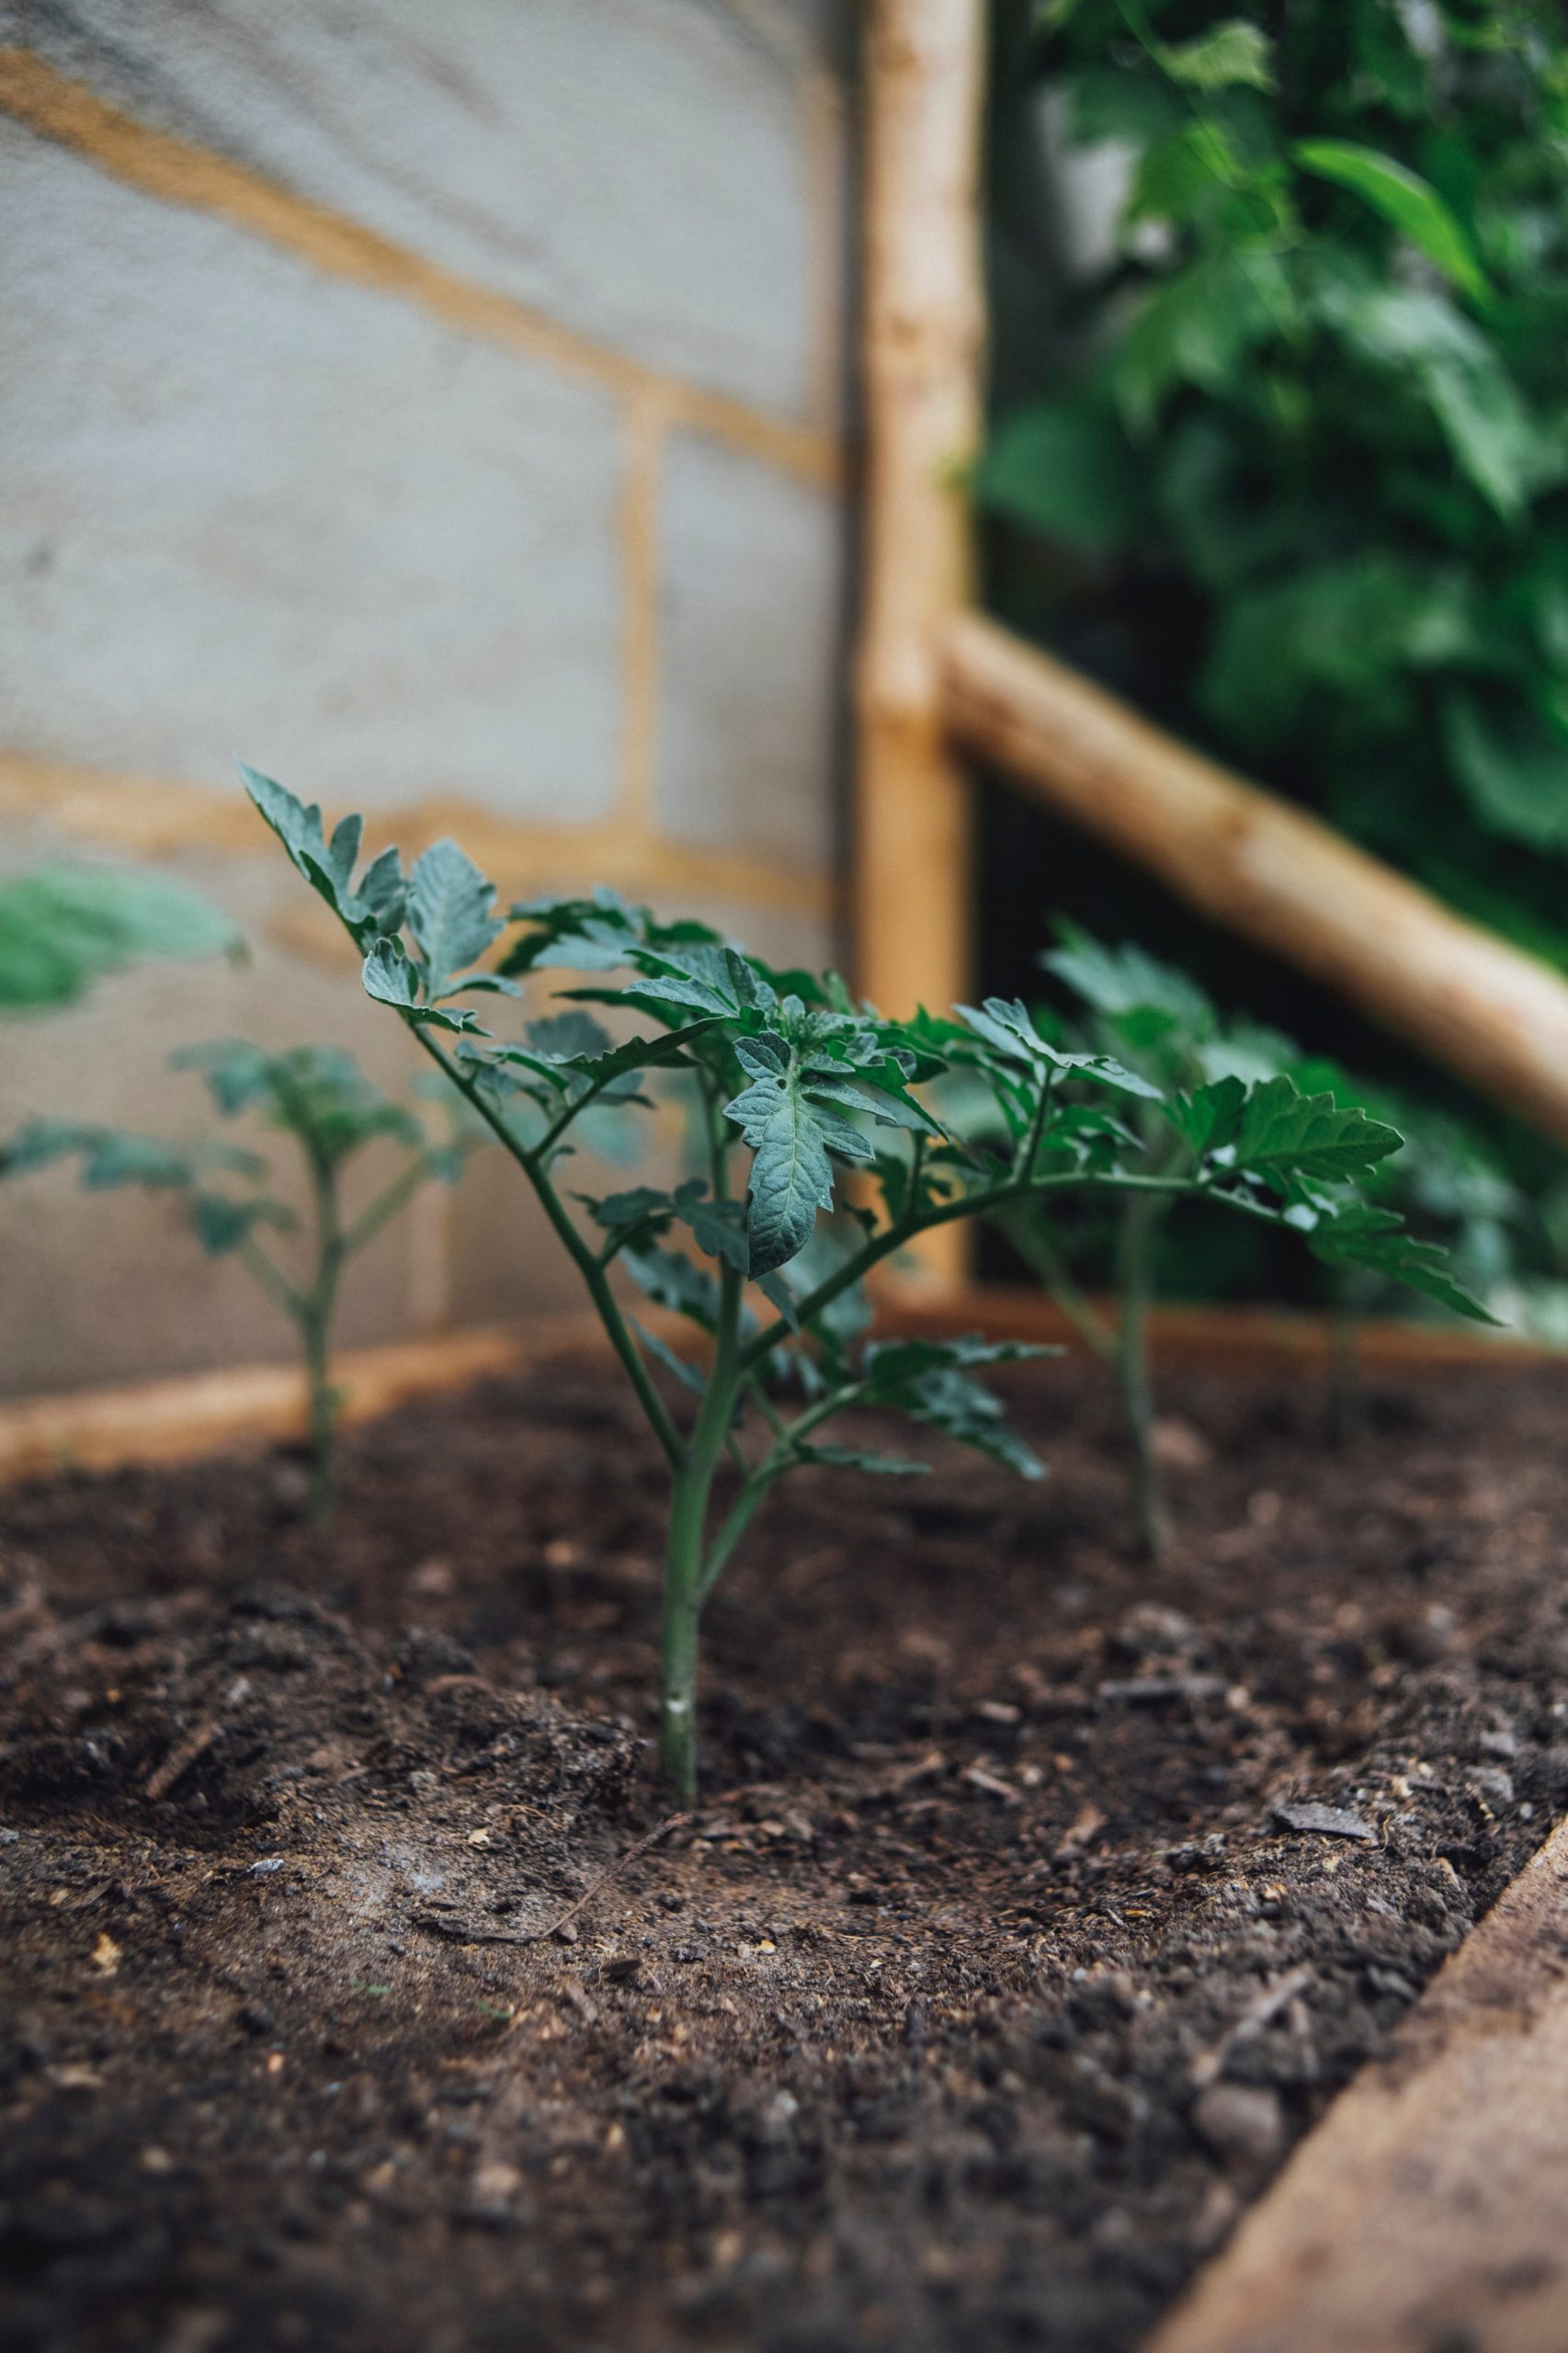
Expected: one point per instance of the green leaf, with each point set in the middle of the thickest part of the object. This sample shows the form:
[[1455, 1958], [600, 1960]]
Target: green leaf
[[1063, 469], [1355, 1233], [785, 1117], [674, 1282], [1125, 102], [932, 1381], [791, 1177], [1123, 981], [1423, 338], [639, 1053], [1228, 54], [63, 926], [376, 909], [1343, 630], [221, 1224], [708, 977], [1408, 203], [779, 1297], [1309, 1135], [690, 1376], [1514, 767], [110, 1157], [859, 1458], [1282, 1134], [392, 979], [1210, 1119], [1008, 1029], [451, 913], [1194, 178], [1271, 1130], [1197, 329], [237, 1074], [593, 934], [616, 1212], [719, 1227], [569, 1037]]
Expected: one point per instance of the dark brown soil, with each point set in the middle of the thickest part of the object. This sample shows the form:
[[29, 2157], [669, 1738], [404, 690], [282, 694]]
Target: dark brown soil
[[986, 1987]]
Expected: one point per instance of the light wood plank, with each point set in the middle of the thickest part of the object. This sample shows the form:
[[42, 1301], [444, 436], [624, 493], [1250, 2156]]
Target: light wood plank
[[1224, 1338], [181, 1419], [1426, 2213], [1267, 870], [924, 329]]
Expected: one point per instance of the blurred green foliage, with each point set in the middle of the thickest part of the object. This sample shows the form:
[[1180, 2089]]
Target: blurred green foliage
[[65, 926], [1289, 462]]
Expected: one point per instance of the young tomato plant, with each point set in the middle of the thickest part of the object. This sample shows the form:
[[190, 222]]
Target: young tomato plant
[[789, 1072], [318, 1097], [1167, 1028]]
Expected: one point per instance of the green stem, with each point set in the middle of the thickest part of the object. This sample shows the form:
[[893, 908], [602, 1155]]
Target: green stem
[[385, 1207], [690, 1495], [315, 1323], [1044, 1259], [982, 1203], [768, 1471], [271, 1277], [678, 1633], [322, 1420]]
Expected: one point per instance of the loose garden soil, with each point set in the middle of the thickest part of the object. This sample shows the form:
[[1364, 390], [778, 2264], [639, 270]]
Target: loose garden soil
[[1036, 1902]]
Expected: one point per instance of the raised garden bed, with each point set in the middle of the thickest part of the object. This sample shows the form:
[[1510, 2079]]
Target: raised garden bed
[[954, 2016]]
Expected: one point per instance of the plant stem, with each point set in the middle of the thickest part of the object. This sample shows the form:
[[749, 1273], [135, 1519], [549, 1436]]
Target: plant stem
[[315, 1324], [322, 1420], [677, 1643], [759, 1483], [1044, 1259], [982, 1203], [690, 1493], [385, 1205]]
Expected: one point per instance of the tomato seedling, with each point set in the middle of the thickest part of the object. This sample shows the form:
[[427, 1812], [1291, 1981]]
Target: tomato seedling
[[320, 1097], [791, 1073], [1166, 1028]]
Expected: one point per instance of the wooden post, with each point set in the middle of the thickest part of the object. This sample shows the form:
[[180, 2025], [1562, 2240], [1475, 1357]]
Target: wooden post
[[924, 325], [1268, 869]]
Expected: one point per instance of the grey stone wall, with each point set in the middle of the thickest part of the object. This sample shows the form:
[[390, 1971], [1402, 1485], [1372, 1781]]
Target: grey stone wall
[[440, 408]]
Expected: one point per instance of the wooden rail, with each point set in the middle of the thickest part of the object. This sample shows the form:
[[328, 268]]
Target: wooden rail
[[192, 1415], [1268, 869], [179, 1420], [924, 318], [1239, 1339]]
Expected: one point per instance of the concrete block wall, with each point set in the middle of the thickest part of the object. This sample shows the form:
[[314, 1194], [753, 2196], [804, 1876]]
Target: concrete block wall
[[440, 408]]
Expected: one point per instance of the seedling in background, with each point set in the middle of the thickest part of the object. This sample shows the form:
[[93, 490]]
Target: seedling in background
[[1167, 1030], [795, 1081], [318, 1097]]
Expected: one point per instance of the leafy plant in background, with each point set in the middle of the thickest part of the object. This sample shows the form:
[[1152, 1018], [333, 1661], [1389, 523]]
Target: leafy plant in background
[[62, 927], [319, 1097], [768, 1263], [1465, 1215], [1308, 463]]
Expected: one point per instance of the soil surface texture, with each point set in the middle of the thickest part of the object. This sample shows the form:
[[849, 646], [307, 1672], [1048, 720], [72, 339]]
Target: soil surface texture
[[1035, 1901]]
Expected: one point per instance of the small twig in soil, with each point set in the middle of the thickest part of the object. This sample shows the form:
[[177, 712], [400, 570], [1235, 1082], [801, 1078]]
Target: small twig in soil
[[461, 1932], [180, 1759], [1209, 2066]]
